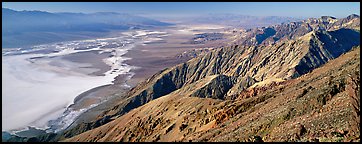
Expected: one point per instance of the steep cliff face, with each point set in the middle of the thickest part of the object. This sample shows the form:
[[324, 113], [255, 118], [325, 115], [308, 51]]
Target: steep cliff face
[[325, 46], [322, 105], [216, 88]]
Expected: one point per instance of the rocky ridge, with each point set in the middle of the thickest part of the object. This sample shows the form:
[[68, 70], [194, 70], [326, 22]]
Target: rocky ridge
[[247, 65], [287, 31], [320, 106]]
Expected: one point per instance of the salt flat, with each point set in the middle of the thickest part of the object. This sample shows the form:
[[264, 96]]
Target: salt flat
[[31, 93], [39, 87]]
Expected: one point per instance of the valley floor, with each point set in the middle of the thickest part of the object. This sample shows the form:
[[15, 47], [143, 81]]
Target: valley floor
[[151, 51]]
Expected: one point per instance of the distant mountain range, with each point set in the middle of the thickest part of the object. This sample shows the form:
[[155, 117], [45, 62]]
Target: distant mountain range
[[230, 19], [27, 28], [23, 28], [286, 31], [245, 21]]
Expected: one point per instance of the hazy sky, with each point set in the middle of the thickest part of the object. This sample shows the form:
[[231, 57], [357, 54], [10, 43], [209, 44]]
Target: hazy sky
[[293, 9]]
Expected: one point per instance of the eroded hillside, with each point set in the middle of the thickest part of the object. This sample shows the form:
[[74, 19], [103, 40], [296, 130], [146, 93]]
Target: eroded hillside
[[322, 105], [246, 66]]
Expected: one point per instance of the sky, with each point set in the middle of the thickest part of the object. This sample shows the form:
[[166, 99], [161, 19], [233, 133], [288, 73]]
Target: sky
[[291, 9]]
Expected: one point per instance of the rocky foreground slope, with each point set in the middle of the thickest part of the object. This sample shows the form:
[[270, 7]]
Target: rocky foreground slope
[[323, 105]]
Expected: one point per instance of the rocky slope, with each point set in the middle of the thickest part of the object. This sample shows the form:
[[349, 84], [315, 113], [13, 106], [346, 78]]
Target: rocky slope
[[207, 91], [320, 106], [247, 66]]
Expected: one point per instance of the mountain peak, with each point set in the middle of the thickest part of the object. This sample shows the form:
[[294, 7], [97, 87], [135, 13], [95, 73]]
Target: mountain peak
[[352, 16], [107, 13], [327, 17], [4, 10]]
